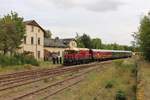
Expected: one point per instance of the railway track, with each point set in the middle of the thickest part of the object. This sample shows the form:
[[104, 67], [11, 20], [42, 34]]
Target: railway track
[[8, 84], [16, 82], [54, 88], [11, 78]]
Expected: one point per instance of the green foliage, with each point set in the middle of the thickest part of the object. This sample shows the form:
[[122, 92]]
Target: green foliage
[[110, 84], [116, 46], [12, 30], [134, 88], [144, 37], [95, 98], [120, 95], [79, 42], [86, 40], [118, 62], [135, 42], [17, 59], [48, 34], [96, 43]]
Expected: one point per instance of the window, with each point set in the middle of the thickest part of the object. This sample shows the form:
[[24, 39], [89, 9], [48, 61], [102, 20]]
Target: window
[[25, 39], [32, 40], [32, 28], [38, 30], [38, 41], [38, 54]]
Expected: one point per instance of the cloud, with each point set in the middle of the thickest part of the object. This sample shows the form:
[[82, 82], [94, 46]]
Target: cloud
[[91, 5], [104, 5]]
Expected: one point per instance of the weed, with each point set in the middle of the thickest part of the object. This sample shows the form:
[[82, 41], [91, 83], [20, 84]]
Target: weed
[[134, 88], [95, 98], [120, 95], [109, 84], [46, 80], [118, 62], [28, 66]]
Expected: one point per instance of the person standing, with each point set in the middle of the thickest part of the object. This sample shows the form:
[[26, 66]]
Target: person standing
[[57, 59], [60, 60]]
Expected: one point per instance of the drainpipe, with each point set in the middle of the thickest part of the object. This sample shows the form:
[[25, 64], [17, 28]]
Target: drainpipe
[[36, 46]]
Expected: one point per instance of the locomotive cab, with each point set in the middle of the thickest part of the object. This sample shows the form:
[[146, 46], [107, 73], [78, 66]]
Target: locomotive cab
[[69, 57]]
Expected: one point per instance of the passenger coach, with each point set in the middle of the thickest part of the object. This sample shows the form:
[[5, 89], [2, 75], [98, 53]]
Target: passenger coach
[[84, 55]]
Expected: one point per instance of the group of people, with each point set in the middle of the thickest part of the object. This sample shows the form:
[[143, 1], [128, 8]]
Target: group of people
[[57, 59]]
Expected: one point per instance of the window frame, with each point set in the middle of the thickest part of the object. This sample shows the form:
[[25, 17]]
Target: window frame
[[32, 28], [25, 39], [38, 54], [39, 40], [32, 40]]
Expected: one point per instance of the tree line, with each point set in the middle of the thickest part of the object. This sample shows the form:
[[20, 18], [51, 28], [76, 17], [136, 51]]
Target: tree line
[[85, 41], [142, 37]]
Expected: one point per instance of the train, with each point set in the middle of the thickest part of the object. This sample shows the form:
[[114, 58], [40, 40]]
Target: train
[[83, 56]]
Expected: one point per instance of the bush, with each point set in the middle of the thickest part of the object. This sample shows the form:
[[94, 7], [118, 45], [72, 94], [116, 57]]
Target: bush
[[17, 59], [110, 84], [120, 95]]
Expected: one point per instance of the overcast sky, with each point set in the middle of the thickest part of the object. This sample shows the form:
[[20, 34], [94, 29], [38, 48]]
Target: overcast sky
[[111, 20]]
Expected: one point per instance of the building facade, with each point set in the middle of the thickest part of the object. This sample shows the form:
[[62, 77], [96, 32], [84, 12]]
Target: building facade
[[42, 48], [33, 41], [57, 46]]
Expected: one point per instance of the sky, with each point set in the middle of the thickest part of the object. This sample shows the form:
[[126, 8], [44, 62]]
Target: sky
[[111, 20]]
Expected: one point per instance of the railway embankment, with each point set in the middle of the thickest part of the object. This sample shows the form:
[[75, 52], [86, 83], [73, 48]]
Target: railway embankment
[[116, 81], [143, 80]]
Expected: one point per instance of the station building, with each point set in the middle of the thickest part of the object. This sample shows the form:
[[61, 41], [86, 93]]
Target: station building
[[41, 48]]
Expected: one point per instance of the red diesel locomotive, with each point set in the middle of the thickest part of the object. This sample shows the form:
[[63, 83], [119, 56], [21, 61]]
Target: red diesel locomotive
[[82, 56]]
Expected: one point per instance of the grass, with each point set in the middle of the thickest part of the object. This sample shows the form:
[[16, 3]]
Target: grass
[[144, 77], [14, 68], [117, 76], [48, 64]]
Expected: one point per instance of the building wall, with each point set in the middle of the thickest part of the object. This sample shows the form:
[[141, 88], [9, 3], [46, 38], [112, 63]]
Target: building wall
[[72, 44], [37, 49], [55, 50]]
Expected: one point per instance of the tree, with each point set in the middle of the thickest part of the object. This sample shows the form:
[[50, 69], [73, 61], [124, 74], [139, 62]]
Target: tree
[[86, 40], [135, 42], [144, 37], [79, 42], [12, 30], [96, 43], [48, 34]]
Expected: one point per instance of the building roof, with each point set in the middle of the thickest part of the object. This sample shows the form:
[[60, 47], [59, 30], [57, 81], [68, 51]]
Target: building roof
[[67, 40], [54, 43], [34, 23], [60, 43]]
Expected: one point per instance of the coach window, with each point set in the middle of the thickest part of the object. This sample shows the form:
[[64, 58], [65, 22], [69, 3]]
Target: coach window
[[32, 40]]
